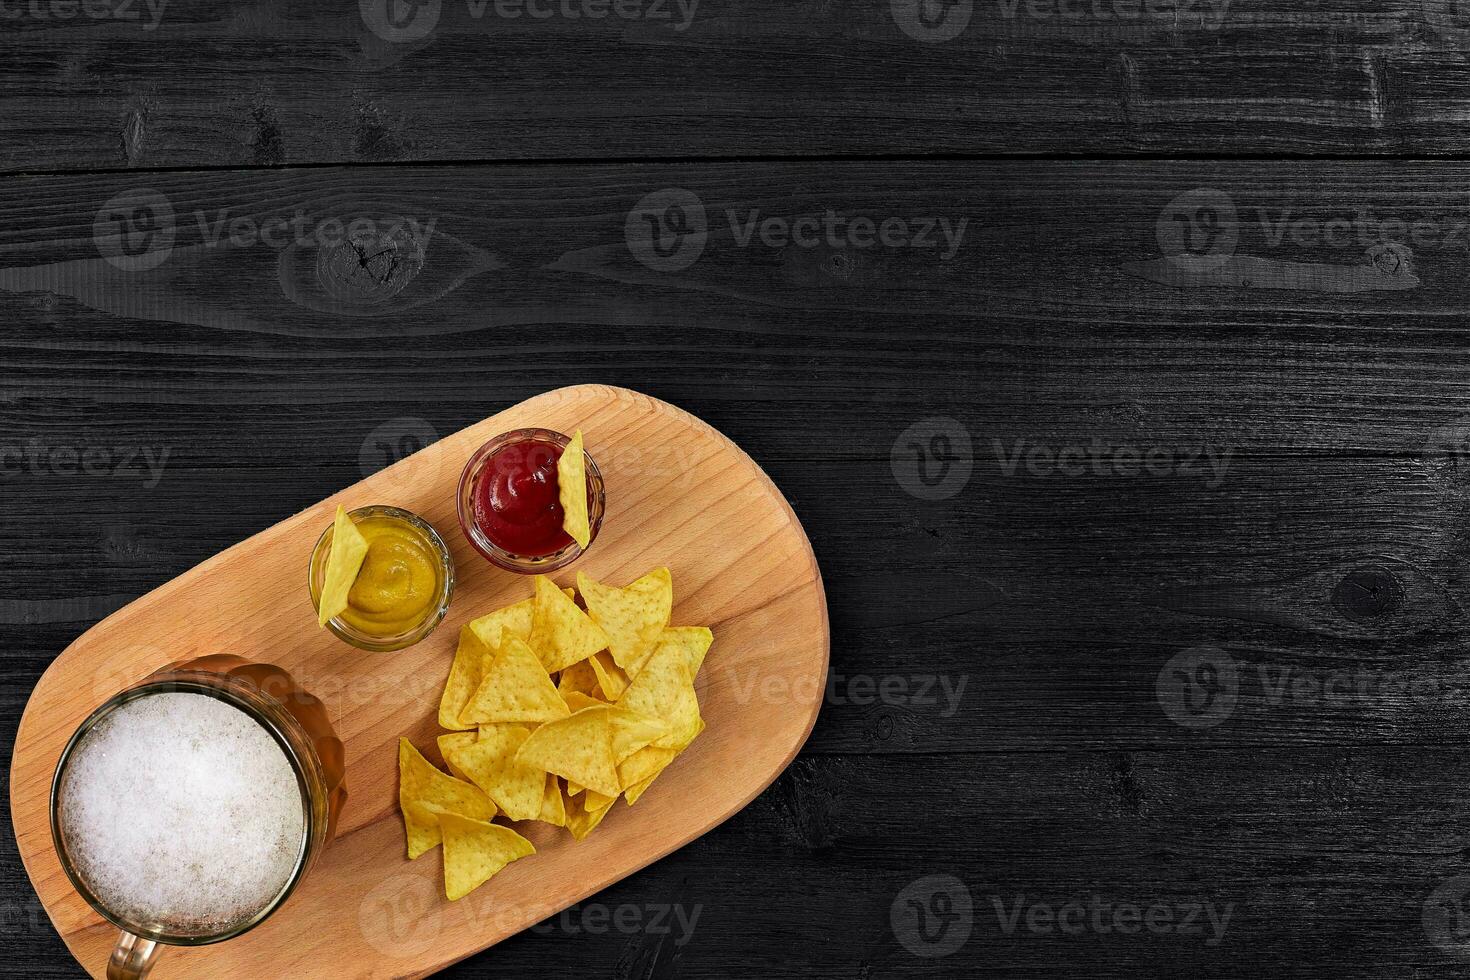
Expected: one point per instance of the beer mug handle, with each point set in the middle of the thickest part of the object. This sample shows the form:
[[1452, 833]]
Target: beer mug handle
[[132, 957]]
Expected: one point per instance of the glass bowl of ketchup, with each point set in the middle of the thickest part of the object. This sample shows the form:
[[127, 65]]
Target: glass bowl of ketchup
[[510, 507]]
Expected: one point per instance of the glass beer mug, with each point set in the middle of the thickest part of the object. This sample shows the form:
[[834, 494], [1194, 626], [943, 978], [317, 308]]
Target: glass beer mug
[[187, 809]]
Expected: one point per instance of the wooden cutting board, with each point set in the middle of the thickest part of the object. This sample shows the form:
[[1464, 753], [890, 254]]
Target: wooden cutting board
[[678, 493]]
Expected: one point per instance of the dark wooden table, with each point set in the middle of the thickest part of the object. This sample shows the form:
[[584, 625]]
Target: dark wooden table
[[1113, 355]]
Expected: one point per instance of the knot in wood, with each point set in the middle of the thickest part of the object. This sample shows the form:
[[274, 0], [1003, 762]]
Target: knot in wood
[[1369, 592], [370, 265]]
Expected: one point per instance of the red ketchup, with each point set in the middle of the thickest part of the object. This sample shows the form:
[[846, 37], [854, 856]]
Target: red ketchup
[[515, 500]]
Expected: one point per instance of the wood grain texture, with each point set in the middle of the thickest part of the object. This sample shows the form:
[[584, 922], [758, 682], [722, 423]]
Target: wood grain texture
[[1057, 599], [273, 82], [741, 563]]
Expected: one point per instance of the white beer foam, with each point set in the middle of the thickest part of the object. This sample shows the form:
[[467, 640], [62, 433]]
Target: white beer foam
[[180, 811]]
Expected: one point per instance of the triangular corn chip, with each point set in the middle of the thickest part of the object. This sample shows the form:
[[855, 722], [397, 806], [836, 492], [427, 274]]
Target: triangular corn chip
[[633, 616], [578, 748], [664, 689], [514, 619], [611, 678], [693, 640], [450, 742], [561, 633], [632, 793], [464, 676], [475, 851], [553, 806], [644, 764], [478, 643], [576, 701], [632, 731], [586, 811], [344, 561], [579, 678], [490, 764], [515, 688], [571, 490], [420, 783]]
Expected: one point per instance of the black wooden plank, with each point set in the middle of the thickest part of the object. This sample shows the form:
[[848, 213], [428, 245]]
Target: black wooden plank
[[1296, 435], [272, 82]]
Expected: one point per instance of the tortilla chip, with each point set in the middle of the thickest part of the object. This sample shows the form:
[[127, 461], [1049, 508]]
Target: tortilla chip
[[514, 619], [644, 765], [639, 766], [576, 701], [693, 640], [632, 616], [632, 731], [586, 812], [610, 677], [553, 806], [634, 792], [664, 689], [464, 676], [344, 561], [475, 851], [571, 490], [515, 688], [561, 633], [579, 678], [490, 764], [449, 743], [420, 783], [578, 748]]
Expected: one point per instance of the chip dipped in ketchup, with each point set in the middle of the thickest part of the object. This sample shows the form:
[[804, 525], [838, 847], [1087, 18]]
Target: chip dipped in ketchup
[[509, 506]]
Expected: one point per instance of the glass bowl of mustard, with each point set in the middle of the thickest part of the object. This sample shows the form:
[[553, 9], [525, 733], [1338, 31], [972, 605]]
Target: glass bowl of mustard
[[402, 592]]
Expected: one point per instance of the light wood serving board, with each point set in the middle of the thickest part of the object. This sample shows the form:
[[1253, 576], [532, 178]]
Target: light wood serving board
[[678, 493]]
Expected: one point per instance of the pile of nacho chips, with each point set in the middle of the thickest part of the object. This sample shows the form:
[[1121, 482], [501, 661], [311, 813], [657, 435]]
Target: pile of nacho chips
[[554, 713]]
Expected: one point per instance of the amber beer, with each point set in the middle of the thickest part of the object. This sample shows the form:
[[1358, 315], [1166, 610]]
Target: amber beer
[[186, 809]]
